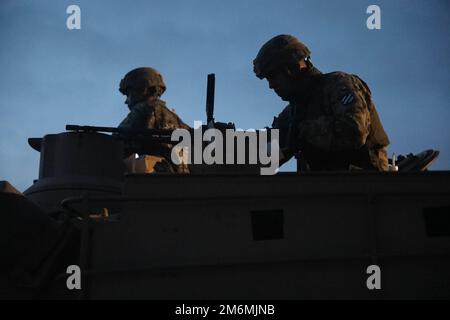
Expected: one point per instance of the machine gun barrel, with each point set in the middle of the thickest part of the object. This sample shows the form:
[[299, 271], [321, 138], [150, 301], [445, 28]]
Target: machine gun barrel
[[123, 131], [141, 136]]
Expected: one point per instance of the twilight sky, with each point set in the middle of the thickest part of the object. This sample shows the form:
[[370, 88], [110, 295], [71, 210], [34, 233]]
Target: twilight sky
[[52, 76]]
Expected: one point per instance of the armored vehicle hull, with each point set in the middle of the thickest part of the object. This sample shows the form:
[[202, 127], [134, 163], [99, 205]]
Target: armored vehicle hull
[[287, 236], [223, 236]]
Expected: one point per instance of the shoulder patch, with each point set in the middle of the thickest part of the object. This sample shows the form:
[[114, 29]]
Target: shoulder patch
[[347, 99]]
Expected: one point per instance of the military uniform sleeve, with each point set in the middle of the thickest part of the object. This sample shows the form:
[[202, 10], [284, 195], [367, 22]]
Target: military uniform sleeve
[[287, 132], [171, 121], [167, 119], [346, 125]]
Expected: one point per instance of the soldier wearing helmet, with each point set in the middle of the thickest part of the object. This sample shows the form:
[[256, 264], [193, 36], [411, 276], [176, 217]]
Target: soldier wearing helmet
[[330, 117], [143, 88]]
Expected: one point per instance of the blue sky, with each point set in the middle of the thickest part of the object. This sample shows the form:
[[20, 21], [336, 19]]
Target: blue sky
[[51, 76]]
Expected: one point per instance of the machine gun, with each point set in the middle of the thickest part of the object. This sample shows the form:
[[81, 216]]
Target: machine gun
[[210, 123], [152, 135], [158, 135], [139, 141], [156, 141]]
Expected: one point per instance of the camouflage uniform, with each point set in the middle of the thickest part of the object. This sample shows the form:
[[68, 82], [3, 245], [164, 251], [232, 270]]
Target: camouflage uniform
[[333, 122], [151, 113], [336, 126]]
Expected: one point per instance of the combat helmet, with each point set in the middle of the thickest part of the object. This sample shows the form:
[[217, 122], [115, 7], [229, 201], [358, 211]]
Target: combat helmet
[[280, 50], [141, 78]]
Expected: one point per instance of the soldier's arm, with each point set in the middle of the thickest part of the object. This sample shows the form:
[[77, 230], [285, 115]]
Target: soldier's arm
[[287, 135], [168, 119], [180, 124], [347, 125]]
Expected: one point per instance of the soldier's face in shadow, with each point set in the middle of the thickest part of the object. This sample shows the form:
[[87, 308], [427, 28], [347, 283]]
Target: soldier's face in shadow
[[133, 97], [280, 82]]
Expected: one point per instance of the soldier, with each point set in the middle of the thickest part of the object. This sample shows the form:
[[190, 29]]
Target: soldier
[[330, 118], [143, 88]]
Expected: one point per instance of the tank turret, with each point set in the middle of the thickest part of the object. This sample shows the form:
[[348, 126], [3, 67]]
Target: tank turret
[[75, 163]]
